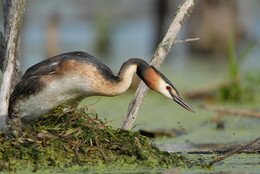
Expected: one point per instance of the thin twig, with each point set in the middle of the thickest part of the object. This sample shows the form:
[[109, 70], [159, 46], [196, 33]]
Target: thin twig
[[138, 143], [222, 110], [100, 149], [76, 149], [231, 153], [91, 104], [110, 121], [187, 40], [70, 133]]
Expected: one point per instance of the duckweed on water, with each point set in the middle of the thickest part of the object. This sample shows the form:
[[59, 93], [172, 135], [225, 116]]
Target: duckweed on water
[[76, 137]]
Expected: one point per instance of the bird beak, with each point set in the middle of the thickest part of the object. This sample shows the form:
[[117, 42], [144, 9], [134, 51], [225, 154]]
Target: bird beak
[[181, 102]]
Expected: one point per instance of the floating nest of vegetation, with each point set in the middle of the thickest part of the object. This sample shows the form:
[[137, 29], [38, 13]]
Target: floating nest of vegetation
[[70, 137]]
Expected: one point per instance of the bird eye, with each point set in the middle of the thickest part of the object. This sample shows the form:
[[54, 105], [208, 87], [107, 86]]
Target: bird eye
[[168, 88]]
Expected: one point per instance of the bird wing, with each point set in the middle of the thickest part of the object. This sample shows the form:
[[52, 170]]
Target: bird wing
[[25, 88], [49, 66], [45, 67]]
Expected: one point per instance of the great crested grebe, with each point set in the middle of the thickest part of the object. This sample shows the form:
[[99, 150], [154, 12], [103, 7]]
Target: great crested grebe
[[77, 75]]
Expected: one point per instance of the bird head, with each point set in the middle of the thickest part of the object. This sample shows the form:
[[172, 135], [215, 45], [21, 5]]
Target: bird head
[[155, 80]]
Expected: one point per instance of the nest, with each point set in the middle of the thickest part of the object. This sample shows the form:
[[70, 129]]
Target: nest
[[77, 137]]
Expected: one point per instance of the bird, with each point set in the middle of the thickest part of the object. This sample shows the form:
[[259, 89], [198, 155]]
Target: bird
[[74, 76]]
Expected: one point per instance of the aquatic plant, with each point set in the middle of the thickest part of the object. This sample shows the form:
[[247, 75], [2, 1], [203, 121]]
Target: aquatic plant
[[70, 137], [239, 87]]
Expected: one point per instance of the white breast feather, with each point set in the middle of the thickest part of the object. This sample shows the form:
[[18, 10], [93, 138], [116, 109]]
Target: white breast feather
[[58, 92]]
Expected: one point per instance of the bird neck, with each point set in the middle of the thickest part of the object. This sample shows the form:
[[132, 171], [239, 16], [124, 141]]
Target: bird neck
[[116, 85], [127, 71]]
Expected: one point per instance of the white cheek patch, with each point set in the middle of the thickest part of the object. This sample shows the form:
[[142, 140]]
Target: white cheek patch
[[168, 94], [162, 89]]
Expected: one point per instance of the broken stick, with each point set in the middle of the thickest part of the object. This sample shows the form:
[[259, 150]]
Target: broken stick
[[231, 153], [222, 110]]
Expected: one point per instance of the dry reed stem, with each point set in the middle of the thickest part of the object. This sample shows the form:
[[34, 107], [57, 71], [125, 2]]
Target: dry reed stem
[[227, 111]]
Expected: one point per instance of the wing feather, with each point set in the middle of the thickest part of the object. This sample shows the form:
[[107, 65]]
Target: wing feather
[[25, 88]]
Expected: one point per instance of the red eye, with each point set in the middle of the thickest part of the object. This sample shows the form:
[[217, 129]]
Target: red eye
[[168, 88]]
